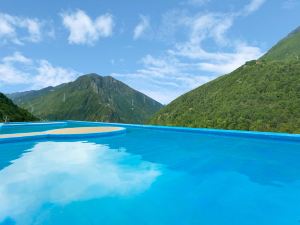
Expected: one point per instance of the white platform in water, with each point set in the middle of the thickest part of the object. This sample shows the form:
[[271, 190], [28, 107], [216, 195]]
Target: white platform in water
[[65, 131]]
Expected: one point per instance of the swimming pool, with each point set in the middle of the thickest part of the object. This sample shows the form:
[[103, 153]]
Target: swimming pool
[[151, 175]]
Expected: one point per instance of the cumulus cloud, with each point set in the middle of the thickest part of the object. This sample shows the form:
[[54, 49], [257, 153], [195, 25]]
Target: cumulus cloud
[[141, 27], [49, 75], [12, 29], [84, 30], [9, 75], [18, 69]]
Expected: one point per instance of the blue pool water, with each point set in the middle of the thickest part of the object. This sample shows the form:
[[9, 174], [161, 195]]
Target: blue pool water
[[151, 177]]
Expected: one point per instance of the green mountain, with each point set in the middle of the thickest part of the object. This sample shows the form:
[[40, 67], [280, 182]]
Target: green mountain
[[90, 97], [261, 95], [10, 112]]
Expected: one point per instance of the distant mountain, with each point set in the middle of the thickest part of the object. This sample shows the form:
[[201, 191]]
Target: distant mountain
[[261, 95], [11, 113], [90, 97]]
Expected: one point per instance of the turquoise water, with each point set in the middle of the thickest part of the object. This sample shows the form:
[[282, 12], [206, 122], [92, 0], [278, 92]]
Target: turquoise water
[[154, 177]]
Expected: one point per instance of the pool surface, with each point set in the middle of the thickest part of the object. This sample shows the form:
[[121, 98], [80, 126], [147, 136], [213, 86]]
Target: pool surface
[[150, 176]]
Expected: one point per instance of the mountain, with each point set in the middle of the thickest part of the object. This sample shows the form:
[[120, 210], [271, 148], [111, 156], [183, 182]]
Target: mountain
[[262, 95], [10, 112], [90, 97]]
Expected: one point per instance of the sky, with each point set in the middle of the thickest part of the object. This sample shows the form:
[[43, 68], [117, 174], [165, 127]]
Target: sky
[[161, 48]]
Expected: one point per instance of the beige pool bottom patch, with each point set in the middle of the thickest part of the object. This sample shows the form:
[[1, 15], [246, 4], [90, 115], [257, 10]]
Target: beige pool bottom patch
[[84, 130], [66, 131]]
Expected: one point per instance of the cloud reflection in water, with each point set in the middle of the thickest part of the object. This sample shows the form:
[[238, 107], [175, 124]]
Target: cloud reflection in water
[[63, 172]]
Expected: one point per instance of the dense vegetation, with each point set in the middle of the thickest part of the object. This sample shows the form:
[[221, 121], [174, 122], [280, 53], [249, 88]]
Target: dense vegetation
[[10, 112], [91, 97], [261, 95]]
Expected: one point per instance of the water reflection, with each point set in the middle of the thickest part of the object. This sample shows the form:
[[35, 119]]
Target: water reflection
[[64, 172]]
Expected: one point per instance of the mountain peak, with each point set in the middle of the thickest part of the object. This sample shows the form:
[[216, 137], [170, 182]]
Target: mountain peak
[[95, 76], [89, 75], [90, 97]]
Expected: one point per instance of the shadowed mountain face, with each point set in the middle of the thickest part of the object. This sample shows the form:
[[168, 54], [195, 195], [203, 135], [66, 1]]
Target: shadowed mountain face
[[261, 95], [90, 97], [10, 112]]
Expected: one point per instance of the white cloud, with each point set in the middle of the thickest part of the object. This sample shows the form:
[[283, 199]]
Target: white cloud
[[83, 30], [34, 29], [17, 57], [211, 25], [253, 6], [6, 28], [49, 75], [18, 70], [9, 75], [219, 31], [141, 27], [214, 26], [170, 24], [227, 62], [164, 78], [190, 62], [12, 29]]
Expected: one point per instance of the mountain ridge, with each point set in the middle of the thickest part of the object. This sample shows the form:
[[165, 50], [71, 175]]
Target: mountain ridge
[[89, 97]]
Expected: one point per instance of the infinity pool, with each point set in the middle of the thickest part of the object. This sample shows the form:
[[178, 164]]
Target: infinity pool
[[150, 177]]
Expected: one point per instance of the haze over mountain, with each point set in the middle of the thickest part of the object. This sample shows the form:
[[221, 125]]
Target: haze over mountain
[[261, 95], [10, 112], [90, 97]]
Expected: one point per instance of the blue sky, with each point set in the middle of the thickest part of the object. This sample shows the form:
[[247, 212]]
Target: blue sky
[[162, 48]]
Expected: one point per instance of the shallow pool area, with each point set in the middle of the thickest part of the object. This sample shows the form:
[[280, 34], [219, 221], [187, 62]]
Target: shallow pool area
[[69, 132], [150, 175]]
